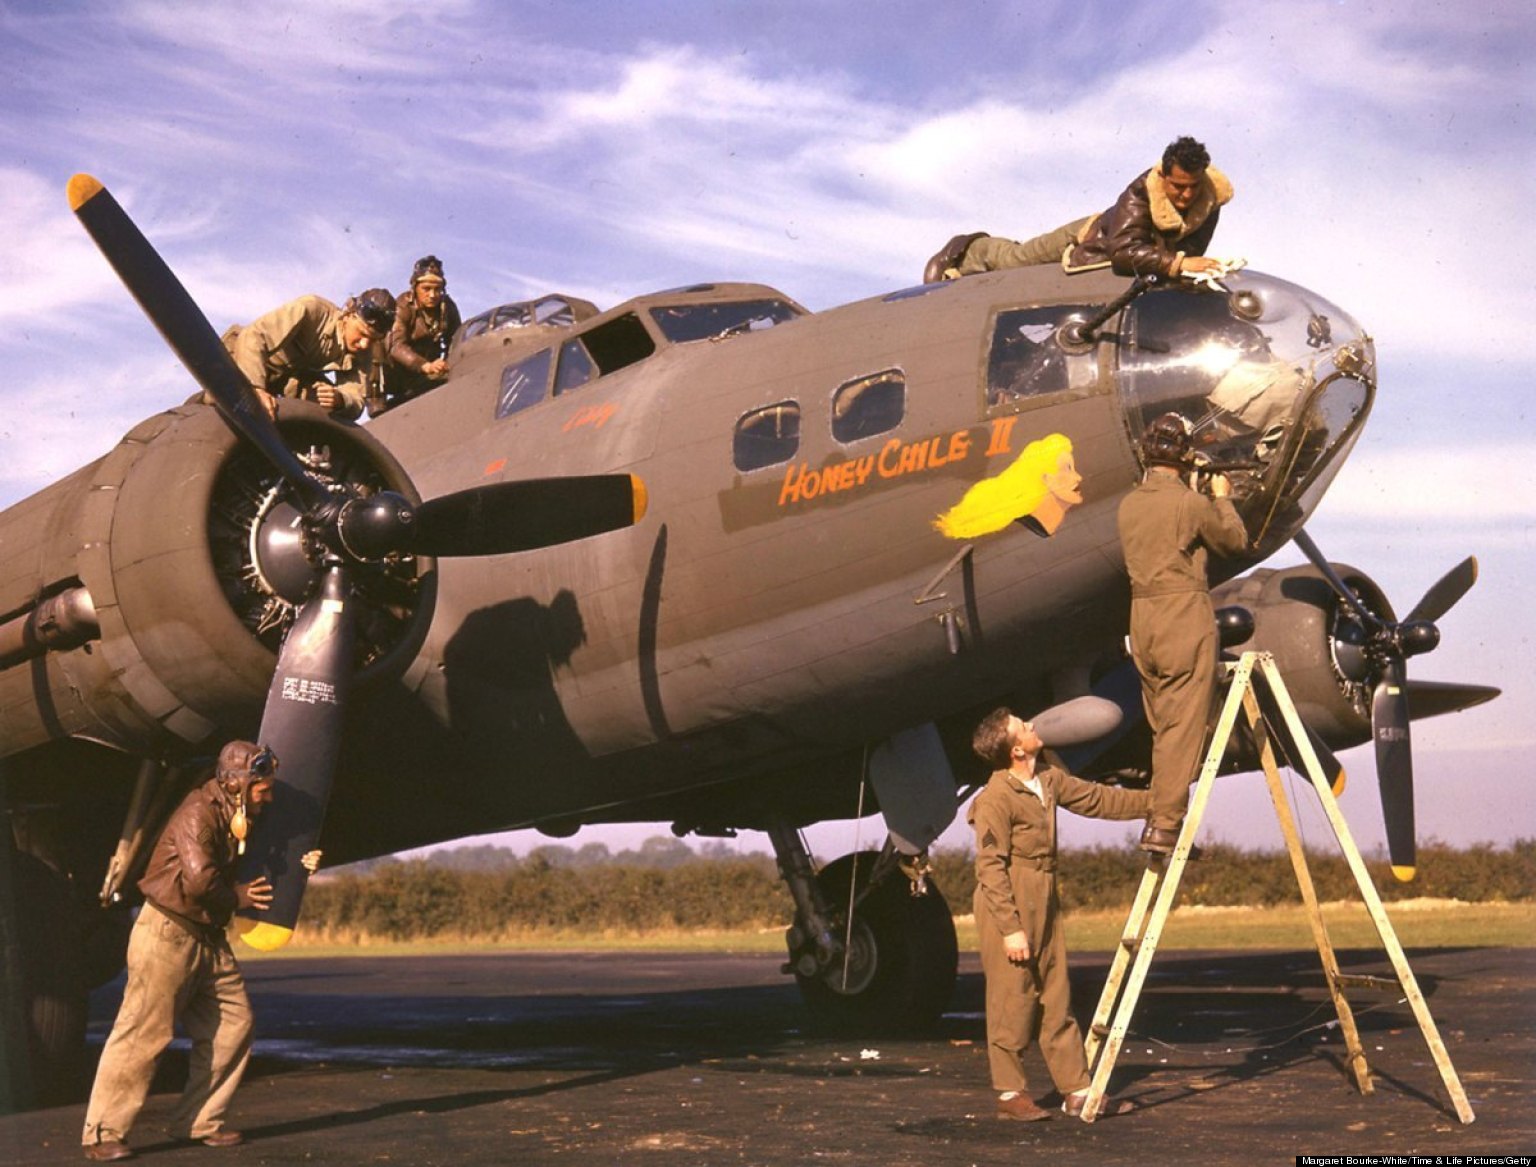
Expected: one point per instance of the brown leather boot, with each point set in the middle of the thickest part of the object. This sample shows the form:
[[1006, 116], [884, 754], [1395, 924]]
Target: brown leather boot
[[1021, 1108]]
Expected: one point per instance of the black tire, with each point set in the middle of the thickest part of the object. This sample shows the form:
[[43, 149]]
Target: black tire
[[53, 981], [903, 957]]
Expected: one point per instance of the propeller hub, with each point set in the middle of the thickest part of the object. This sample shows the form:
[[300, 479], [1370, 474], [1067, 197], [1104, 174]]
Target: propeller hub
[[380, 524], [1418, 636]]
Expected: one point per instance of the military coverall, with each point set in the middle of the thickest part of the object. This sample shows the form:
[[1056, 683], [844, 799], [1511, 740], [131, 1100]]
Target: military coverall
[[290, 349], [1166, 532], [1016, 892], [180, 968]]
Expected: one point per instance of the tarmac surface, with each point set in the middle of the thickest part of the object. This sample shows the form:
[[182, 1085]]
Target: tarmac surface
[[626, 1058]]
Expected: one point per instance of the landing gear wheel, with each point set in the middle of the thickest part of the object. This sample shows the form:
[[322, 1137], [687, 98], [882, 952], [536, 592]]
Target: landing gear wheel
[[902, 954]]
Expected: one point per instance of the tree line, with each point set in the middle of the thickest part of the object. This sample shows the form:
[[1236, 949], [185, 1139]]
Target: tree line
[[489, 892]]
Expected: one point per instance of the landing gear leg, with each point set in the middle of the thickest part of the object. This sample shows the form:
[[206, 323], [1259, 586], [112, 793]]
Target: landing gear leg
[[890, 964]]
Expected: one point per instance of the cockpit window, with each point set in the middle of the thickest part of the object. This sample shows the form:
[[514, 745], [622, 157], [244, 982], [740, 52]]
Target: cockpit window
[[618, 343], [523, 384], [869, 406], [682, 323], [575, 368], [556, 311], [767, 436], [1025, 361]]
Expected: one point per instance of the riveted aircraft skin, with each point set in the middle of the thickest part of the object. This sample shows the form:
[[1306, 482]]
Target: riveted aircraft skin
[[730, 656]]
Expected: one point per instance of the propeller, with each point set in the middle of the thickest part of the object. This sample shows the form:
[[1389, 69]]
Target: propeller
[[344, 527], [1374, 651]]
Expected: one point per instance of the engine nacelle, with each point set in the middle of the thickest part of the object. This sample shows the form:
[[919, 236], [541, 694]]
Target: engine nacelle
[[194, 561], [1315, 640]]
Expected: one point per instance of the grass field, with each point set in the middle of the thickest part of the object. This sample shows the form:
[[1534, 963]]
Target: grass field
[[1418, 923]]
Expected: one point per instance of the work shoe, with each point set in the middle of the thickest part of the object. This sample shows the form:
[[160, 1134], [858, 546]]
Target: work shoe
[[1021, 1108], [217, 1139], [108, 1152], [948, 258], [1159, 840], [1072, 1106]]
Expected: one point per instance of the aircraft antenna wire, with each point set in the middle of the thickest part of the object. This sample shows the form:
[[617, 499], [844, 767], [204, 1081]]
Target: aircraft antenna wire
[[853, 874]]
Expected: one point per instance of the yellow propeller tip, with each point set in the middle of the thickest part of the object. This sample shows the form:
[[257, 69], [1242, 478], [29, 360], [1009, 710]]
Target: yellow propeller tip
[[1338, 783], [261, 935], [641, 495], [1403, 874], [82, 189]]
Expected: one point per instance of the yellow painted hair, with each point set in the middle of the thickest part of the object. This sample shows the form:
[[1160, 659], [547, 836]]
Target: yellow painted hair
[[993, 503]]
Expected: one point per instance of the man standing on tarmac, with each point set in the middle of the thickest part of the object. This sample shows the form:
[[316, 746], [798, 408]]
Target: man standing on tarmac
[[1018, 914], [1167, 531], [180, 967]]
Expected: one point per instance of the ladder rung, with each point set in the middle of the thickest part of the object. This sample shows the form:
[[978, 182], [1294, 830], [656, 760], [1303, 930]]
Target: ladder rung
[[1366, 981]]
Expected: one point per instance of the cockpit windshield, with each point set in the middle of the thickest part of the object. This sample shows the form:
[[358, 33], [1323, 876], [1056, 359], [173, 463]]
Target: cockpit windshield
[[681, 323], [1274, 381]]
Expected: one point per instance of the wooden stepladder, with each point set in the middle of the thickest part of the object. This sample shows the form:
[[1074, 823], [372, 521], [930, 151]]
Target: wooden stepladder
[[1255, 687]]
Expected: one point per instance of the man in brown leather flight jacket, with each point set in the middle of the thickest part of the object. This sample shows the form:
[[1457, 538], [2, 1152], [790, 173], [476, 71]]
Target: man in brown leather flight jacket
[[1161, 224], [180, 967], [417, 346]]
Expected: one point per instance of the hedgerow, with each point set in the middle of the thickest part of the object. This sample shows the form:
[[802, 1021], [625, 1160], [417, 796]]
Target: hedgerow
[[668, 888]]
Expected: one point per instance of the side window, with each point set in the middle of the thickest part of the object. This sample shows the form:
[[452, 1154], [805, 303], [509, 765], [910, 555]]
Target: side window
[[523, 384], [1026, 361], [869, 406], [767, 436], [575, 368]]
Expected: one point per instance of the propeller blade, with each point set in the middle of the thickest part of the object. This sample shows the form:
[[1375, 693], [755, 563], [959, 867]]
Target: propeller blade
[[1394, 765], [1320, 561], [302, 724], [1279, 730], [502, 517], [1450, 587], [181, 322], [1432, 698]]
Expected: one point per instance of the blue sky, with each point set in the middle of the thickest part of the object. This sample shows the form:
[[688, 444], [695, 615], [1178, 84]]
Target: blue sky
[[1381, 152]]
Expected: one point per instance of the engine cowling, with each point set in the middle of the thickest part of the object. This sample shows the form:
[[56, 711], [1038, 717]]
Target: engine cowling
[[194, 560], [1300, 620]]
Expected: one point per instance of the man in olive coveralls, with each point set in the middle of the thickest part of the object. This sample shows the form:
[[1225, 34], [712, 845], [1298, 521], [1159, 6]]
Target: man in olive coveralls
[[1167, 531], [312, 349], [180, 967], [1018, 915]]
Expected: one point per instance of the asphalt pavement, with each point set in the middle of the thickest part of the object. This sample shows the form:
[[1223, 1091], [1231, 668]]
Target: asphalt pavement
[[689, 1059]]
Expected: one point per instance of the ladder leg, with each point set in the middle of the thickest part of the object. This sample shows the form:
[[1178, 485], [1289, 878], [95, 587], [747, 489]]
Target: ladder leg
[[1372, 900], [1130, 941], [1355, 1050], [1167, 892]]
